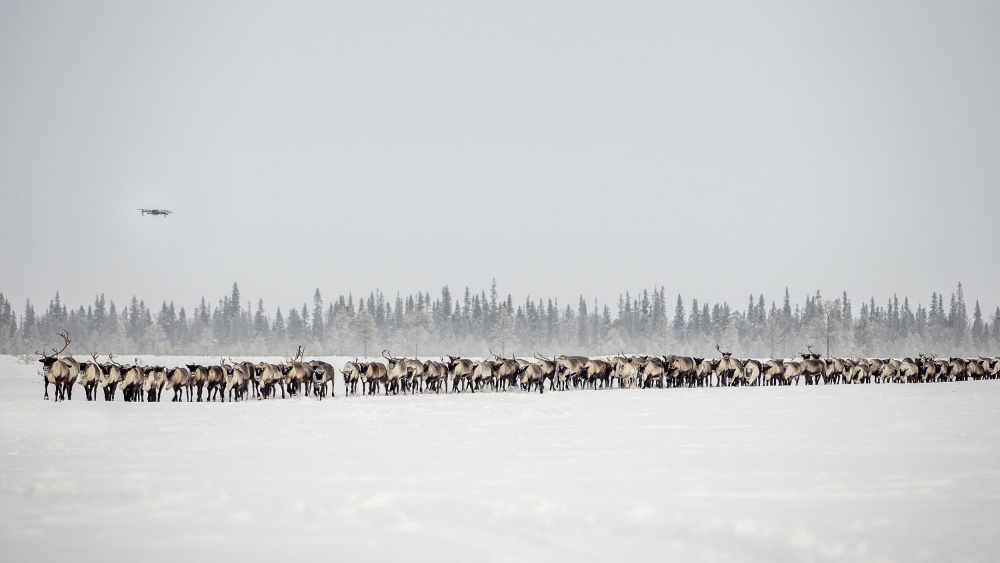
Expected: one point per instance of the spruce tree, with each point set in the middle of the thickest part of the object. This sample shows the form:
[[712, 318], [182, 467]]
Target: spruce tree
[[260, 327], [978, 335], [678, 324], [317, 316]]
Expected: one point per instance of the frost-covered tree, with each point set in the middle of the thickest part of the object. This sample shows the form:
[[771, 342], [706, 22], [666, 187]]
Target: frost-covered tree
[[317, 316], [977, 333], [863, 335], [364, 330], [503, 331], [419, 325], [679, 319]]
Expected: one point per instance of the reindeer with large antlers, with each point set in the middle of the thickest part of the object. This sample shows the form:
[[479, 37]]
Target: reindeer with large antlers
[[61, 372]]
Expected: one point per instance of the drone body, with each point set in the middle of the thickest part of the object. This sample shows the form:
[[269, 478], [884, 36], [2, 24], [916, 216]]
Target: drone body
[[163, 212]]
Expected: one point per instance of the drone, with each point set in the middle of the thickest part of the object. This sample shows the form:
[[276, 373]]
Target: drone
[[163, 212]]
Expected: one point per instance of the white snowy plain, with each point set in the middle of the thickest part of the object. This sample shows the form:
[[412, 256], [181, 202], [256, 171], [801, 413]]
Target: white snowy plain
[[819, 473]]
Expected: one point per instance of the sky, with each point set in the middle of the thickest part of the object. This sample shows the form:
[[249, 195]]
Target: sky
[[717, 149]]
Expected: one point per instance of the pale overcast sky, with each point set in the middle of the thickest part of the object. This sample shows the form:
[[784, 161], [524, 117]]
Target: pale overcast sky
[[715, 148]]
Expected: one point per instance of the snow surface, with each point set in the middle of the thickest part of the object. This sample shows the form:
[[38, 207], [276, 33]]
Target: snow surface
[[824, 473]]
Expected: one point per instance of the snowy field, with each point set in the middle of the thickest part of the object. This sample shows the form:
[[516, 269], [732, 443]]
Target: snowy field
[[828, 473]]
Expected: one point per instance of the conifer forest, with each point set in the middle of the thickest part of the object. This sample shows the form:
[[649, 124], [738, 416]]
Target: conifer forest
[[472, 324]]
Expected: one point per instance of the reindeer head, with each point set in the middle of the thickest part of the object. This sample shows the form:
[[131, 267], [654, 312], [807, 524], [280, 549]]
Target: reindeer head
[[46, 359]]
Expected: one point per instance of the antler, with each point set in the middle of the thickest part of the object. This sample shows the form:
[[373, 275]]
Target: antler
[[65, 336], [94, 356], [384, 352], [300, 353], [111, 358]]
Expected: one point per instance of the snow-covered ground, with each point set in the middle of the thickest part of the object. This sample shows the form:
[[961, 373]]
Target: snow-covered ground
[[827, 473]]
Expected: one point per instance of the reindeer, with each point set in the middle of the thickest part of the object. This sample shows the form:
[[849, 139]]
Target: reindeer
[[533, 374], [253, 387], [682, 369], [215, 380], [395, 372], [461, 372], [153, 380], [413, 376], [569, 369], [482, 374], [548, 370], [625, 371], [883, 371], [199, 377], [790, 371], [835, 370], [297, 374], [90, 377], [773, 371], [323, 373], [752, 372], [61, 372], [268, 376], [811, 367], [652, 372], [111, 377], [374, 373], [782, 372], [596, 371], [975, 369], [725, 367], [874, 370], [856, 371], [909, 371], [237, 381], [505, 371], [179, 381], [352, 373], [703, 372], [435, 375], [992, 367], [131, 382]]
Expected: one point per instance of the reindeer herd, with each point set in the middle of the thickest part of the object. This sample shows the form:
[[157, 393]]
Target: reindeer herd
[[241, 380]]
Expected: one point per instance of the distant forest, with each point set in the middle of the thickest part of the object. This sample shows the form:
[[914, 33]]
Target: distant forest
[[471, 324]]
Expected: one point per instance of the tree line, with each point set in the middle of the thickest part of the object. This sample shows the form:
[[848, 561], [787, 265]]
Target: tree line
[[471, 324]]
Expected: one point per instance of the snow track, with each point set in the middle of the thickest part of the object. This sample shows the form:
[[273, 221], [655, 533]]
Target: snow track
[[820, 473]]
